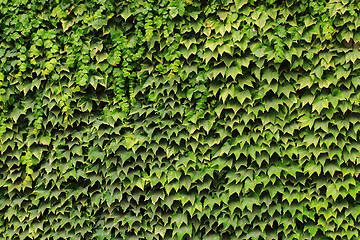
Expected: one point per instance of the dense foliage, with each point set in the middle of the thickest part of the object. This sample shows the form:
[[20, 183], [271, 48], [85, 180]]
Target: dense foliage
[[181, 119]]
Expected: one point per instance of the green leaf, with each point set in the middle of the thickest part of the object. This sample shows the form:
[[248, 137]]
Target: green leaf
[[311, 139], [319, 204], [240, 3], [269, 75], [305, 81], [80, 9], [179, 219], [45, 140], [312, 168], [331, 168], [101, 57], [10, 212], [101, 234], [320, 104], [274, 170], [212, 236], [98, 23], [182, 231], [16, 113], [258, 49], [342, 73], [332, 191], [354, 211], [249, 202], [318, 71], [173, 12], [126, 13], [96, 153], [352, 56], [243, 95], [262, 20], [131, 219]]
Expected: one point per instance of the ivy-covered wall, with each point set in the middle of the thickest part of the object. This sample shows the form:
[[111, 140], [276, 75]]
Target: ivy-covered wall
[[179, 119]]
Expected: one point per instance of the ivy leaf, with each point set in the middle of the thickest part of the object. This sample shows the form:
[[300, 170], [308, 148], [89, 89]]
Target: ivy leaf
[[176, 8], [352, 56], [275, 170], [305, 81], [98, 23], [332, 191], [311, 139], [174, 11], [262, 20], [354, 211], [101, 57], [80, 9], [179, 219], [45, 140], [212, 236], [212, 44], [182, 231], [126, 13], [320, 104], [101, 234], [331, 168], [311, 168], [342, 73], [96, 153], [16, 113], [9, 213], [243, 95], [258, 49], [318, 71], [240, 3], [269, 75]]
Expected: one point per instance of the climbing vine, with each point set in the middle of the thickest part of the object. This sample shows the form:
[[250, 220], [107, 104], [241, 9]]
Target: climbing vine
[[181, 119]]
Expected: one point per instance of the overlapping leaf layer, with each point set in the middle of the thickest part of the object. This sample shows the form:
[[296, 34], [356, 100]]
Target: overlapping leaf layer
[[179, 119]]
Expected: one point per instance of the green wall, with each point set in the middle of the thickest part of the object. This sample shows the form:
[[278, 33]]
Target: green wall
[[179, 119]]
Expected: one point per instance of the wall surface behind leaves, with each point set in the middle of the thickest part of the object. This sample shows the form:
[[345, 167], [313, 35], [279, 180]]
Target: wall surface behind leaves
[[179, 119]]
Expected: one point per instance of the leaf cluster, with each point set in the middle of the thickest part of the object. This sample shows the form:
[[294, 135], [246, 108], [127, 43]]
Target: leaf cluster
[[181, 119]]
